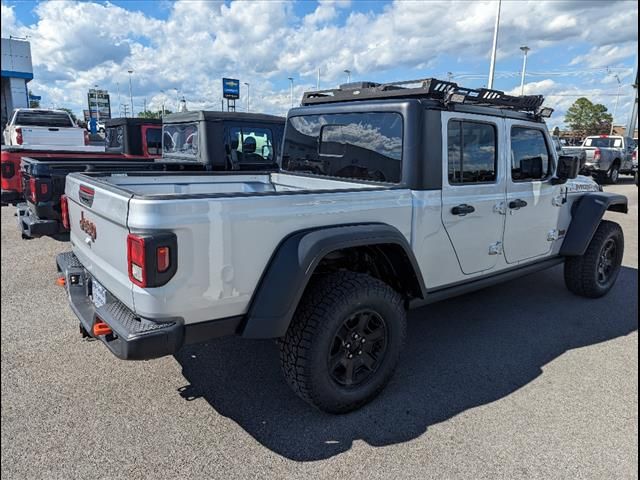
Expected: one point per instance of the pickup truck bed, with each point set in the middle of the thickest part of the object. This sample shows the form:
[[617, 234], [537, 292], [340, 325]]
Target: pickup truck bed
[[43, 183]]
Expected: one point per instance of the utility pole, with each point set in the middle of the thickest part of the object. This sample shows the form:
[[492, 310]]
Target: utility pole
[[119, 102], [525, 49], [492, 67], [633, 119], [615, 106], [248, 86], [130, 90], [291, 90]]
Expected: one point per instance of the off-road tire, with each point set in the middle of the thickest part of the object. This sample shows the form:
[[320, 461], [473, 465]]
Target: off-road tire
[[328, 301], [581, 273]]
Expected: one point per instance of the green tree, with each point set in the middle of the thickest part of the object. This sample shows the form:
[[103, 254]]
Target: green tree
[[33, 103], [150, 114], [588, 118], [71, 114]]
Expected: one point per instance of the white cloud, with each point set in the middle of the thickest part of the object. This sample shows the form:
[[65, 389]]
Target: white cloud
[[605, 55], [78, 44]]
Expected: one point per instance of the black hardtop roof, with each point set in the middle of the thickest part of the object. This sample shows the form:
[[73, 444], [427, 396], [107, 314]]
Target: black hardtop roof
[[444, 93], [216, 116], [114, 122]]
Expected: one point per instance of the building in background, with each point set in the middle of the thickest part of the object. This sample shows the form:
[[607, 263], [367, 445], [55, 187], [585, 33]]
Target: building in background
[[17, 71], [98, 101]]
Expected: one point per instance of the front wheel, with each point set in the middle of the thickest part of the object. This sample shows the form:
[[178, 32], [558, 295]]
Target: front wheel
[[593, 274], [344, 341]]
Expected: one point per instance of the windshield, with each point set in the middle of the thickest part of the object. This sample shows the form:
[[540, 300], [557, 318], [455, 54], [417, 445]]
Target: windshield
[[43, 118], [180, 139], [603, 142]]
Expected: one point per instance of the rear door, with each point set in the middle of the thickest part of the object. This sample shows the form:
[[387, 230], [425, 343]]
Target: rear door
[[473, 188], [97, 217], [532, 209]]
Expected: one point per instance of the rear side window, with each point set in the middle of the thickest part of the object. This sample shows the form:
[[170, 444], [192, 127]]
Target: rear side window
[[180, 139], [471, 148], [43, 118], [361, 146], [114, 138], [530, 159], [250, 144], [154, 141]]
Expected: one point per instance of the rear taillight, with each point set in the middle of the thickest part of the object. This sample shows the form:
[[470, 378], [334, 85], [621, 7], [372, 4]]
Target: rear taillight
[[64, 212], [152, 260], [597, 154], [136, 258], [38, 190], [19, 138], [33, 190], [8, 170], [634, 155]]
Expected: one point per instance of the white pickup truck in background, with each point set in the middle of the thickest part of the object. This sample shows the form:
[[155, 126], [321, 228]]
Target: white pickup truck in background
[[41, 127], [608, 156]]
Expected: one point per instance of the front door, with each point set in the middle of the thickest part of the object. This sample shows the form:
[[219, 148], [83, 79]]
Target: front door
[[532, 206], [473, 189]]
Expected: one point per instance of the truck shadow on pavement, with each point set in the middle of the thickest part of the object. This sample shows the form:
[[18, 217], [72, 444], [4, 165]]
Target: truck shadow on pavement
[[461, 353]]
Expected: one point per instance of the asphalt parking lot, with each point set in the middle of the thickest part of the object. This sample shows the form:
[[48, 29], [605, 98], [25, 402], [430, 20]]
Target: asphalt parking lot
[[521, 380]]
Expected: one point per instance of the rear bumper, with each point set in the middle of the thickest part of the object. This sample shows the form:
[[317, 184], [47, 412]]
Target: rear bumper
[[10, 197], [132, 337], [33, 227]]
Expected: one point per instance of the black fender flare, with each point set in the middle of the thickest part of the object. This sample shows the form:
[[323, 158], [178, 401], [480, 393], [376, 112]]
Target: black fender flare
[[586, 215], [286, 276]]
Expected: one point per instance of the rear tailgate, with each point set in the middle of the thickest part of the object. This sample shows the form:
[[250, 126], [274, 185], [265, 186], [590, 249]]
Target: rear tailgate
[[33, 135], [98, 221]]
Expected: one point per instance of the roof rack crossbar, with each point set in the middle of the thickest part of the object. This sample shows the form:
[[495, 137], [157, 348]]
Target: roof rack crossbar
[[428, 88]]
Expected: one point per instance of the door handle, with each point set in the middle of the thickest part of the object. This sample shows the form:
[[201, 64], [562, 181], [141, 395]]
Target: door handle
[[517, 204], [463, 210]]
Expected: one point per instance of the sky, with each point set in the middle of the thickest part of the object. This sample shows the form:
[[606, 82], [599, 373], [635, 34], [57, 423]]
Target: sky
[[184, 48]]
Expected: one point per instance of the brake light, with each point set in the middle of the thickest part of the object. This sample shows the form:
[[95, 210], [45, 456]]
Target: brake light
[[604, 136], [634, 155], [597, 154], [8, 170], [136, 260], [19, 138], [64, 212], [33, 190]]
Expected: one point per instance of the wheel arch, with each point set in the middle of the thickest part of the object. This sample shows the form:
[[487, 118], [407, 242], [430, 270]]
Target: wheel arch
[[586, 215], [298, 257]]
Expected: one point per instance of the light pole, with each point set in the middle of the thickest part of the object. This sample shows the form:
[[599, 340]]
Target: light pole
[[119, 102], [130, 91], [492, 67], [291, 90], [348, 72], [525, 49], [95, 91], [248, 86], [449, 76], [615, 106], [163, 97]]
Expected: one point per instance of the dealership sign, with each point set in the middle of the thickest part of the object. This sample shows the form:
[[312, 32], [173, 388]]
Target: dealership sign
[[231, 88]]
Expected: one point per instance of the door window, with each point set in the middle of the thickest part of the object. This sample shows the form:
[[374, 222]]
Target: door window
[[251, 144], [530, 159], [471, 148], [154, 141]]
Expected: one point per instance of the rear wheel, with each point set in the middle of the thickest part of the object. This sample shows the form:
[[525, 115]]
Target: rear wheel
[[594, 273], [344, 341], [614, 173]]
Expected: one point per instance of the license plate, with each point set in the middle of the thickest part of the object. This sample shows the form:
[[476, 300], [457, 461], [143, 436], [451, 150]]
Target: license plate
[[99, 294]]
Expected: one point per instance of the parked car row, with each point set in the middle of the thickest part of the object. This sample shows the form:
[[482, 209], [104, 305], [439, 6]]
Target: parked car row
[[384, 197]]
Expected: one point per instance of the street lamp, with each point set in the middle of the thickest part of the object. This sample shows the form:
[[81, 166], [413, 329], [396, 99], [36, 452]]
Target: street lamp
[[348, 72], [525, 49], [248, 86], [494, 49], [291, 90], [130, 91], [615, 107]]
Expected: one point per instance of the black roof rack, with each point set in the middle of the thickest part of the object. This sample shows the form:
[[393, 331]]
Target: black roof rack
[[428, 88]]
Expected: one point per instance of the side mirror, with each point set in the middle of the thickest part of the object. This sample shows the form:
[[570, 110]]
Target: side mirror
[[568, 167]]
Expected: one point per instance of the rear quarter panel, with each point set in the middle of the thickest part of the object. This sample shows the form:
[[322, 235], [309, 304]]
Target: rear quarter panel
[[224, 245]]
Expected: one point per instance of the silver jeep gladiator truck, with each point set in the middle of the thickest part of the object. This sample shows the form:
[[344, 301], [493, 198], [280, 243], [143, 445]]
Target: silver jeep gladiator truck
[[390, 196]]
